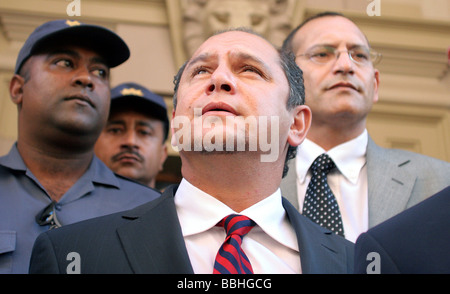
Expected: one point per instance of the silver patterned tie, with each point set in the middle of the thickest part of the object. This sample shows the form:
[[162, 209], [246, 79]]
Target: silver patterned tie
[[320, 204]]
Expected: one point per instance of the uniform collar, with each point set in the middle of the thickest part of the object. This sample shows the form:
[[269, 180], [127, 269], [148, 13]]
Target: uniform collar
[[13, 160]]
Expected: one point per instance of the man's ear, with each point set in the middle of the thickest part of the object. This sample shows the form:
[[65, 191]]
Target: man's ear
[[16, 89], [300, 125], [376, 81]]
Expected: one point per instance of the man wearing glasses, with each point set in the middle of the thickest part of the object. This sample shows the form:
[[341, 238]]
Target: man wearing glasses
[[368, 183]]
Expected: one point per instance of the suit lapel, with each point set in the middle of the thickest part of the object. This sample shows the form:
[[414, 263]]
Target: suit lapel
[[319, 251], [389, 183], [153, 241]]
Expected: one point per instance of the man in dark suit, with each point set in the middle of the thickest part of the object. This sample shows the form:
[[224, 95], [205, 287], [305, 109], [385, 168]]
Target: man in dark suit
[[415, 241], [236, 82]]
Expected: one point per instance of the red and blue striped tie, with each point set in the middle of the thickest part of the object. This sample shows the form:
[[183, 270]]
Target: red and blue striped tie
[[231, 259]]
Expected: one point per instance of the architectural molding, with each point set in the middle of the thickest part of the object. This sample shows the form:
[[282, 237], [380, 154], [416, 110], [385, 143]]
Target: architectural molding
[[417, 128]]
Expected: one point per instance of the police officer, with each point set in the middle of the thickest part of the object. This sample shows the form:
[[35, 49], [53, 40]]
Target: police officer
[[133, 142], [51, 176]]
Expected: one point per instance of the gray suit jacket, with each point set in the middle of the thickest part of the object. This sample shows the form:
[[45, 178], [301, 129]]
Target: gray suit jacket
[[397, 180], [148, 239]]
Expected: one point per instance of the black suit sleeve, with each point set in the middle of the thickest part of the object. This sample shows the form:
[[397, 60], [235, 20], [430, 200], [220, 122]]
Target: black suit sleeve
[[371, 257], [43, 252]]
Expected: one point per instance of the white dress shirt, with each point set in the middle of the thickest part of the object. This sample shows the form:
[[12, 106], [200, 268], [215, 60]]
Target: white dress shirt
[[271, 245], [348, 182]]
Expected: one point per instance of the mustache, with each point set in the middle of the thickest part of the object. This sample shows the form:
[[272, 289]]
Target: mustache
[[128, 151]]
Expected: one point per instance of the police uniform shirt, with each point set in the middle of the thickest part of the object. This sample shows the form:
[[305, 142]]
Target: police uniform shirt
[[98, 192]]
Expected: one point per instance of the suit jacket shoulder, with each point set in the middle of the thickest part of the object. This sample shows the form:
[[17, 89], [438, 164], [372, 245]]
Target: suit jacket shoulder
[[414, 241], [399, 179]]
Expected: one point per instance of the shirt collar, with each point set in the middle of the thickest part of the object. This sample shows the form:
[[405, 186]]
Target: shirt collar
[[96, 174], [101, 174], [198, 212], [349, 157], [13, 160]]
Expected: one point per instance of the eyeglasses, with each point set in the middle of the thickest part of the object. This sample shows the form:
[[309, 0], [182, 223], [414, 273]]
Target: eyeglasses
[[47, 217], [359, 55]]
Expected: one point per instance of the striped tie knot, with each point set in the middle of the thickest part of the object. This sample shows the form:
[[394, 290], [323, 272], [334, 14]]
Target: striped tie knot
[[231, 259], [236, 224]]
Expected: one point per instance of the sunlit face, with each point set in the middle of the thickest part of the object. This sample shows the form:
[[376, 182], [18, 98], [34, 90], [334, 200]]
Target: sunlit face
[[340, 89], [132, 145], [233, 74], [67, 89]]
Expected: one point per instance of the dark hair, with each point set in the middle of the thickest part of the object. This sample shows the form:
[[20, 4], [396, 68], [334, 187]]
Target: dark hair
[[296, 97], [293, 74], [176, 83]]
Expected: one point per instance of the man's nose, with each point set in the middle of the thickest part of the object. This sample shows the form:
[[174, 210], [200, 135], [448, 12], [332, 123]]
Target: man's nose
[[343, 63], [83, 78], [222, 80], [130, 139]]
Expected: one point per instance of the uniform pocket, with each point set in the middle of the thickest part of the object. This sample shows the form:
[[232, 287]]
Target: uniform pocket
[[7, 247]]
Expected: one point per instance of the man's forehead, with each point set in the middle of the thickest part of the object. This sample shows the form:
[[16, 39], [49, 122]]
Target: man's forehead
[[235, 41], [329, 29]]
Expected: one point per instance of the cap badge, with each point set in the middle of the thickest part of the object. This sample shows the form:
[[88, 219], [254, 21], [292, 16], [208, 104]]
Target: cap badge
[[72, 23], [132, 91]]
